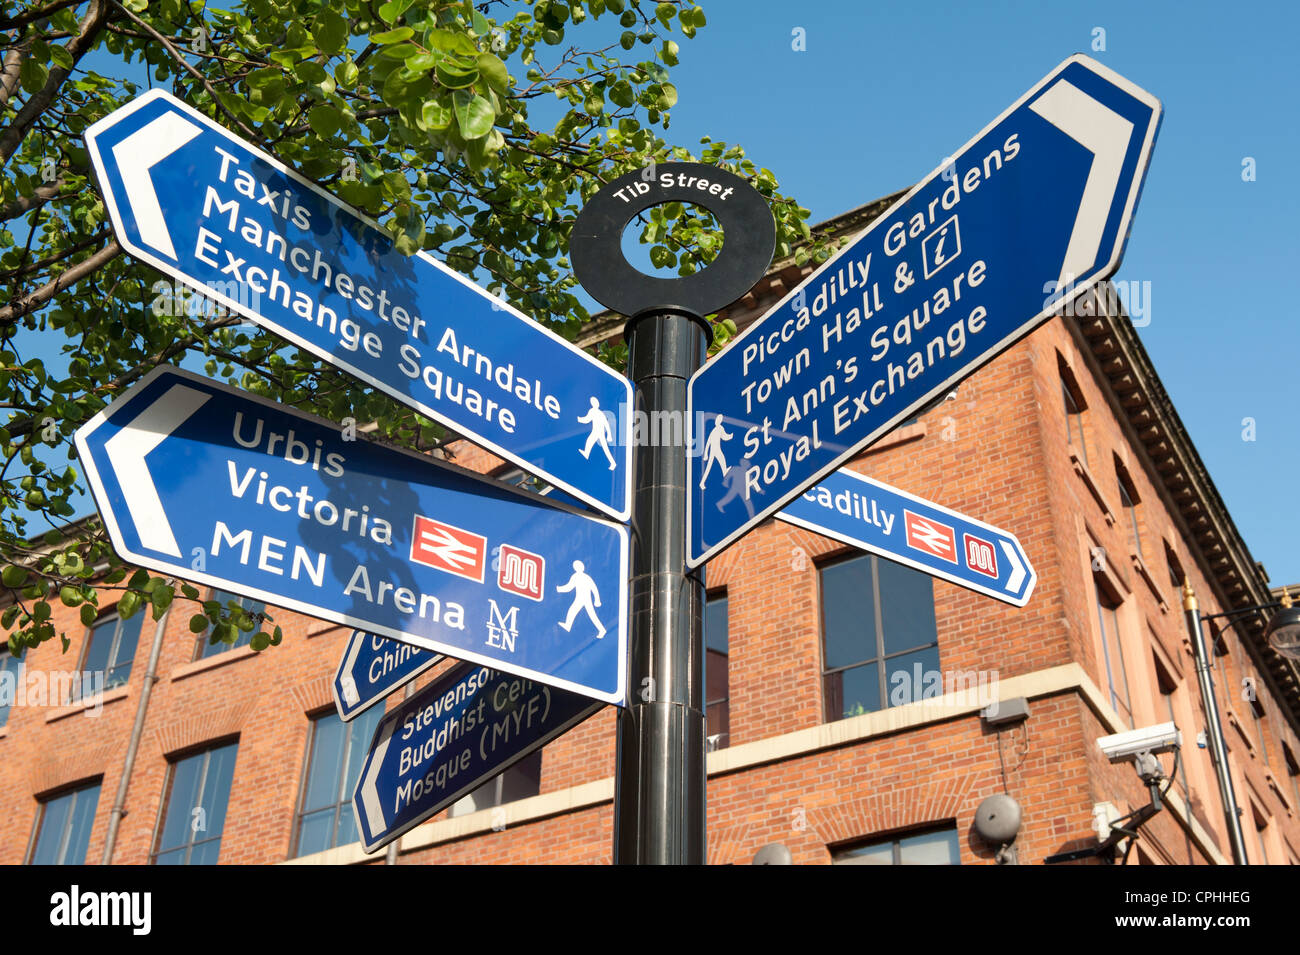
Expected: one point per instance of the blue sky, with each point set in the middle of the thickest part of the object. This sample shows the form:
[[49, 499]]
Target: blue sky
[[884, 92]]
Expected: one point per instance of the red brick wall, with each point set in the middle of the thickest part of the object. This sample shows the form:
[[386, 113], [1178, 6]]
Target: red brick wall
[[998, 451]]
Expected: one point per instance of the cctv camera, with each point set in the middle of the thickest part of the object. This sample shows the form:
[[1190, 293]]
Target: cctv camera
[[1161, 738]]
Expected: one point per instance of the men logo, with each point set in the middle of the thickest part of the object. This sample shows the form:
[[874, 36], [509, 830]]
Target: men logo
[[446, 547], [521, 572], [503, 628], [980, 555], [930, 537]]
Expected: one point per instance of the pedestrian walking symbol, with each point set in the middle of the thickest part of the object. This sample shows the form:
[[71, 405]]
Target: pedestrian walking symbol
[[713, 450], [601, 432], [586, 597]]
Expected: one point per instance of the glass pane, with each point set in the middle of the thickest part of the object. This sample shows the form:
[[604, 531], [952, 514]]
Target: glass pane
[[85, 801], [206, 853], [329, 738], [523, 779], [315, 832], [175, 857], [362, 732], [848, 613], [718, 723], [11, 672], [907, 605], [914, 676], [930, 848], [216, 789], [855, 691], [186, 777], [54, 821], [880, 854], [715, 624], [127, 643], [101, 645], [347, 825]]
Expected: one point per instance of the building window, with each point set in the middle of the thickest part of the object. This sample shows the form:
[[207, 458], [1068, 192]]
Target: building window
[[11, 672], [1251, 691], [63, 832], [1074, 409], [935, 847], [880, 645], [204, 647], [325, 819], [1128, 499], [1176, 575], [520, 781], [110, 650], [1261, 826], [716, 686], [1113, 654], [1293, 771], [1168, 685], [195, 814]]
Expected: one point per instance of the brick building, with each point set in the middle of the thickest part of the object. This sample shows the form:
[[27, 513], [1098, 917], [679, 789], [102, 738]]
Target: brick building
[[825, 740]]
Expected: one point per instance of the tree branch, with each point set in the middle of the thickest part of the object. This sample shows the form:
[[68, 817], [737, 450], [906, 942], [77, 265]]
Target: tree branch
[[9, 73], [36, 13], [13, 134], [24, 204], [64, 279], [184, 64]]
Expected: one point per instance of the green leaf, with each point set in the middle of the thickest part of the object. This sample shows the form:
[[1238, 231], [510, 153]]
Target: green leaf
[[198, 623], [324, 120], [392, 36], [330, 32], [480, 24], [128, 605], [88, 614], [474, 114], [435, 114], [454, 76], [390, 11], [494, 71], [13, 576]]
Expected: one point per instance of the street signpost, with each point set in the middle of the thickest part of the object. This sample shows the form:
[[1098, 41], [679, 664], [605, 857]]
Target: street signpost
[[1026, 217], [373, 667], [219, 215], [449, 738], [883, 520], [209, 483]]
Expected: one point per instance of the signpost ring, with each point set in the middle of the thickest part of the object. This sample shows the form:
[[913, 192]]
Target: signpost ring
[[749, 238]]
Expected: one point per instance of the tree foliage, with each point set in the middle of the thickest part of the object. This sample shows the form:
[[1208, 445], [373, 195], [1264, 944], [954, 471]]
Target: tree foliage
[[472, 131]]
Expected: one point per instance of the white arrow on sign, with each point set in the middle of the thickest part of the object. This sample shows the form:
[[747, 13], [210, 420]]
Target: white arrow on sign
[[1106, 135], [369, 791], [126, 453], [135, 156], [1017, 568]]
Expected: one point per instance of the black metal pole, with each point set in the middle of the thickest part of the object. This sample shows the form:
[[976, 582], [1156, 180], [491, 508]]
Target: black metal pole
[[1213, 728], [659, 796]]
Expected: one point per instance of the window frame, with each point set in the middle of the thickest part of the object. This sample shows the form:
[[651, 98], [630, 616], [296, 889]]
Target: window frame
[[1129, 499], [719, 595], [113, 663], [304, 784], [169, 783], [1074, 405], [895, 841], [42, 805], [878, 626], [1105, 599], [15, 664]]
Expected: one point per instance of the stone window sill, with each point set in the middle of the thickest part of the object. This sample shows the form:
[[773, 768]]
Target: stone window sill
[[211, 663], [103, 699], [1140, 565], [1085, 475]]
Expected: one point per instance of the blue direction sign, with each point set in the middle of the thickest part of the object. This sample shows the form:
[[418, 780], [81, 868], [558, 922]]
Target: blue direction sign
[[883, 520], [449, 738], [223, 217], [200, 480], [372, 667], [1027, 216]]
